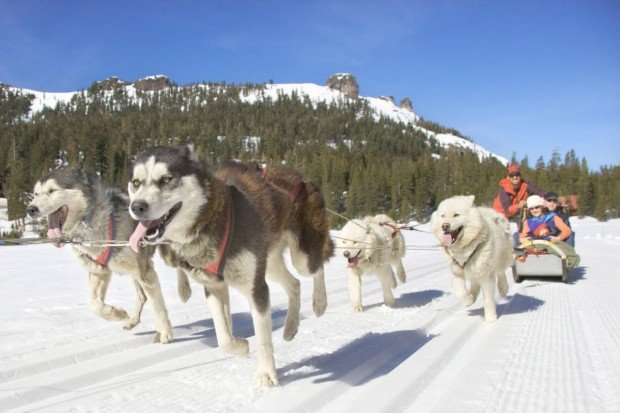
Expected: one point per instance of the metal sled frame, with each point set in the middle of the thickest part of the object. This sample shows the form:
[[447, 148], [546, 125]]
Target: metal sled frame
[[544, 265]]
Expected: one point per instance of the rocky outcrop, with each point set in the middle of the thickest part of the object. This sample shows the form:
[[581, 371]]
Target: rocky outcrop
[[345, 83], [406, 104], [110, 83], [152, 83], [387, 98], [4, 86]]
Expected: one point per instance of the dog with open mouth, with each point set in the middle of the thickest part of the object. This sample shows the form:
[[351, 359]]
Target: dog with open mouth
[[76, 204], [372, 245], [226, 230], [477, 245]]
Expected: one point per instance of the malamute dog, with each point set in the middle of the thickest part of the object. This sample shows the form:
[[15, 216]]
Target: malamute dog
[[307, 233], [372, 245], [76, 204], [477, 246], [225, 230]]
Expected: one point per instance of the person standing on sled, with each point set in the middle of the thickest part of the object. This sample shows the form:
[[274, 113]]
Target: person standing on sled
[[513, 192]]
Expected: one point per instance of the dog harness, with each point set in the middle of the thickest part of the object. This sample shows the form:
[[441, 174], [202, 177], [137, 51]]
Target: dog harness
[[293, 193], [466, 261], [222, 251], [395, 229], [104, 258]]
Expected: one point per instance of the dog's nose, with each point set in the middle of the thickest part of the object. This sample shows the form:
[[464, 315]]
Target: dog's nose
[[346, 254], [32, 210], [139, 207], [445, 227]]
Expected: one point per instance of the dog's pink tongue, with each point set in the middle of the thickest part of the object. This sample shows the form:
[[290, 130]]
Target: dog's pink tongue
[[54, 222], [447, 239], [138, 233]]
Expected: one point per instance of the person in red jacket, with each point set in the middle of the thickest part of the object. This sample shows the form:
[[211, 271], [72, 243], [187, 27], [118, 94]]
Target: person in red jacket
[[513, 192]]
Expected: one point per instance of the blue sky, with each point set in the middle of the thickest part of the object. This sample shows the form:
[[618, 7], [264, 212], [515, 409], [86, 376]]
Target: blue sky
[[530, 77]]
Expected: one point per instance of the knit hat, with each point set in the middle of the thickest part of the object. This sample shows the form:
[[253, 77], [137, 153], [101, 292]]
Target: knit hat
[[514, 169], [535, 200]]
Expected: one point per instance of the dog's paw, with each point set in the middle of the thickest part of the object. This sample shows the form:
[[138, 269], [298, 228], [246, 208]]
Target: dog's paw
[[490, 318], [290, 328], [389, 302], [164, 337], [357, 308], [467, 299], [266, 379], [237, 347], [319, 304], [119, 314], [131, 323]]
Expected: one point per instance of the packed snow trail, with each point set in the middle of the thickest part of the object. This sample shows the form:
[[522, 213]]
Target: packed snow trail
[[553, 348]]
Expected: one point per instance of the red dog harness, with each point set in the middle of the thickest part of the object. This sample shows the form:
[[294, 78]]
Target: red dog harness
[[104, 258], [395, 229], [222, 251]]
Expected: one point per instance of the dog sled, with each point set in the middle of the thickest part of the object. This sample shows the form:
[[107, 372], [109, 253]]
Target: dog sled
[[539, 258]]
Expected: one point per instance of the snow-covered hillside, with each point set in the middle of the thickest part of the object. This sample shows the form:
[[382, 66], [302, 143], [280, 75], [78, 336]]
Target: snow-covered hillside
[[316, 93], [553, 349]]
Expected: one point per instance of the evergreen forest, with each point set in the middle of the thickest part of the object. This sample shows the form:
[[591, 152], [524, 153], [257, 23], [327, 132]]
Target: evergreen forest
[[363, 164]]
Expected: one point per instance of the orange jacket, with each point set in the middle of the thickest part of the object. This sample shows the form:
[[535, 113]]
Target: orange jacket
[[507, 200]]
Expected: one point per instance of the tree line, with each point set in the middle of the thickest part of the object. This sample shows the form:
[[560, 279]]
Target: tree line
[[364, 164]]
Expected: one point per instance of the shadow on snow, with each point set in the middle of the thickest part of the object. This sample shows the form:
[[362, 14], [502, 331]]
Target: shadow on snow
[[364, 359]]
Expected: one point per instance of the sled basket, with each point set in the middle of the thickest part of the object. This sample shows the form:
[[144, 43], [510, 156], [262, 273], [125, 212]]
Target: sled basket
[[540, 258]]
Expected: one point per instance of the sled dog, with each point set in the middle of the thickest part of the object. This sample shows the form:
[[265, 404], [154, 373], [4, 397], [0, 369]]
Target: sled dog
[[76, 204], [477, 246], [307, 231], [228, 229], [372, 245]]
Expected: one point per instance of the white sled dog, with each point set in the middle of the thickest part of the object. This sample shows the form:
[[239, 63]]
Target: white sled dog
[[477, 246], [229, 229], [77, 204], [372, 245]]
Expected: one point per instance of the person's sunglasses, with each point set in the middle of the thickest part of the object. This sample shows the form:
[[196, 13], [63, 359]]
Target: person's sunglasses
[[535, 207], [514, 175], [552, 200]]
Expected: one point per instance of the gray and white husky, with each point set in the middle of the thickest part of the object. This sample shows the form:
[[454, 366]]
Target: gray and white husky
[[77, 204], [229, 229]]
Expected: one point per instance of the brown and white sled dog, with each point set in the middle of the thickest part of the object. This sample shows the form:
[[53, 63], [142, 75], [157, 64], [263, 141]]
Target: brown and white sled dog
[[307, 230], [77, 204], [372, 245], [225, 230], [477, 246]]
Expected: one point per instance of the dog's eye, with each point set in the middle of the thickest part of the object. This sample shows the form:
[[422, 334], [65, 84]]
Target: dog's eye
[[136, 182], [165, 179], [456, 215], [51, 191]]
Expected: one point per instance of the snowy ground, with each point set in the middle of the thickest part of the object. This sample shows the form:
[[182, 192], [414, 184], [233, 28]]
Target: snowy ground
[[553, 349]]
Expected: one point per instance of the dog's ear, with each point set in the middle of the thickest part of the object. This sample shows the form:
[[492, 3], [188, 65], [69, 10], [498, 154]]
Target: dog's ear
[[189, 152], [470, 199]]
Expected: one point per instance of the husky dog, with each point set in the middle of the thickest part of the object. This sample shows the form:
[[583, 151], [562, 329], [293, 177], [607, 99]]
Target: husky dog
[[225, 230], [76, 204], [477, 246], [307, 232], [372, 245]]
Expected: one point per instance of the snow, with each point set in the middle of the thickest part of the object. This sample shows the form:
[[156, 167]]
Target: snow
[[554, 347], [316, 93]]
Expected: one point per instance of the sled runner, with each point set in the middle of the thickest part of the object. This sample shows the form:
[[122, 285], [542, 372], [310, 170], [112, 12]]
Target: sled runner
[[541, 258]]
